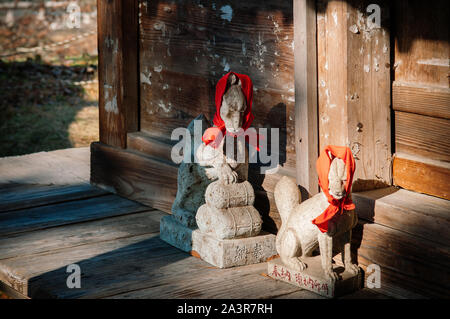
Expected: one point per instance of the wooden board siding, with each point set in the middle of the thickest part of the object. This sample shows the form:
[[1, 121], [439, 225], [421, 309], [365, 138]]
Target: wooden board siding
[[422, 135], [186, 47], [422, 48], [421, 96], [421, 99], [354, 87]]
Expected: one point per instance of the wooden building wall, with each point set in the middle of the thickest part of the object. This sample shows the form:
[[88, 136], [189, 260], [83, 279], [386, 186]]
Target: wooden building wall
[[421, 96]]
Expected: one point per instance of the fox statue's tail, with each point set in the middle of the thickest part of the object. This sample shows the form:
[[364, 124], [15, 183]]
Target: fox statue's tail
[[287, 197]]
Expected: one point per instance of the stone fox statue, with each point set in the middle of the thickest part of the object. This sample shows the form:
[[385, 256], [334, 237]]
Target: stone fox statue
[[325, 220], [234, 94]]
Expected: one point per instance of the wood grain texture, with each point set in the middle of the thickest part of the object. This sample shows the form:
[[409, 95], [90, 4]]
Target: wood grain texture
[[419, 99], [306, 127], [422, 49], [149, 145], [134, 175], [422, 265], [62, 167], [422, 176], [186, 47], [117, 65], [422, 135], [46, 241], [22, 196], [127, 259], [413, 213], [66, 213], [354, 87]]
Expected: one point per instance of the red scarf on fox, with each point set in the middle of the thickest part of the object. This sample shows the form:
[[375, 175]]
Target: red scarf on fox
[[323, 168], [214, 135]]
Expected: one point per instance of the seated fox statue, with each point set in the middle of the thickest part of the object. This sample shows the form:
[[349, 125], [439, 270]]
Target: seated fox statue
[[213, 192]]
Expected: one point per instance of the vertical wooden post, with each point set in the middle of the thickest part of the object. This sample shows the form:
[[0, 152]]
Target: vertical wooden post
[[306, 130], [117, 70], [354, 86]]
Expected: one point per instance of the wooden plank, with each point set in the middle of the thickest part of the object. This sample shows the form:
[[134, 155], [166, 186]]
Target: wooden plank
[[247, 282], [422, 135], [66, 213], [117, 70], [422, 175], [421, 99], [422, 49], [62, 167], [134, 175], [24, 196], [421, 262], [10, 292], [28, 275], [151, 146], [306, 129], [354, 87], [130, 56], [137, 267], [417, 214], [53, 239], [366, 293], [255, 39]]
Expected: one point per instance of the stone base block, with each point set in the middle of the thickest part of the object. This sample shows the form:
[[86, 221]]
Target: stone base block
[[220, 253], [313, 278]]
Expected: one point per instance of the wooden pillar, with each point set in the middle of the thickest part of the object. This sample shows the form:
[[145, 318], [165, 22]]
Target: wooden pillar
[[118, 70], [306, 131], [354, 86]]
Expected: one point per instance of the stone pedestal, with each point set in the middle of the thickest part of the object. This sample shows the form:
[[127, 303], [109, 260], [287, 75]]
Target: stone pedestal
[[313, 277], [223, 253]]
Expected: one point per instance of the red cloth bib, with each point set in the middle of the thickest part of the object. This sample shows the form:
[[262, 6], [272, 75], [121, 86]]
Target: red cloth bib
[[323, 168]]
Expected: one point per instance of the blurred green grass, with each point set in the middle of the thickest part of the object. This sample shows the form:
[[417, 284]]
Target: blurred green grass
[[42, 102]]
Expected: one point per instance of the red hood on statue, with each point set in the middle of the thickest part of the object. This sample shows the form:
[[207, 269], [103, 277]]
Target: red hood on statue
[[214, 135], [323, 168]]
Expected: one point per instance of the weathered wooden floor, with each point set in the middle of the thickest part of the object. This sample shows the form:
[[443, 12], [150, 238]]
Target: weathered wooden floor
[[50, 217]]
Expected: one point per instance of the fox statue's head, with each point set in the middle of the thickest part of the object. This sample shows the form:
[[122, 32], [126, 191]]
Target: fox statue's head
[[233, 105], [337, 178]]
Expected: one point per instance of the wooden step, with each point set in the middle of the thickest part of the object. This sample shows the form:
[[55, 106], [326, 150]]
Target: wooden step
[[406, 234], [422, 175], [155, 147], [417, 214], [406, 261], [19, 196]]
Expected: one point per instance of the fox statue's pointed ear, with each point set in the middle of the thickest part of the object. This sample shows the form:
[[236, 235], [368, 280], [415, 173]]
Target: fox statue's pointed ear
[[330, 155]]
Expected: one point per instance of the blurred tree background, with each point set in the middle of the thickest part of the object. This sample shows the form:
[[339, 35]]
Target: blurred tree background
[[48, 75]]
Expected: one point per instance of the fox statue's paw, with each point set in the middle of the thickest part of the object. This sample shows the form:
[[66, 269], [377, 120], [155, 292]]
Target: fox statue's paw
[[331, 275], [295, 263], [352, 268]]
